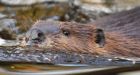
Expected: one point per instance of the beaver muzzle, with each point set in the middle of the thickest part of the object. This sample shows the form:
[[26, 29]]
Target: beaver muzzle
[[34, 37]]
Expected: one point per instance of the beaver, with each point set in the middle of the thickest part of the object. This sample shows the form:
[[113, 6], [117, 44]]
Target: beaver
[[114, 35]]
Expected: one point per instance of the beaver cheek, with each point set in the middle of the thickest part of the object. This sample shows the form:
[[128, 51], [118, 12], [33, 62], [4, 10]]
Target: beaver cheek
[[46, 44], [31, 44]]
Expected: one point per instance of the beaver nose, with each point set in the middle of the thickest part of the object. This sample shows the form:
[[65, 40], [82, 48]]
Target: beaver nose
[[35, 37]]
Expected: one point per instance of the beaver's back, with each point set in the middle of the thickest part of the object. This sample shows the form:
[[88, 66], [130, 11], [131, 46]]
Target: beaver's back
[[126, 23]]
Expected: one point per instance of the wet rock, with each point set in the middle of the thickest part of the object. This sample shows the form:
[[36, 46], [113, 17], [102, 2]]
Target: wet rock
[[94, 5], [26, 16], [8, 28], [34, 55], [8, 43], [2, 16], [120, 5], [2, 41], [105, 7], [95, 8]]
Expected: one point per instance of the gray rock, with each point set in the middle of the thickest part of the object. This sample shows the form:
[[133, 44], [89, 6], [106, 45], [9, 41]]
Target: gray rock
[[8, 24], [17, 54], [8, 28], [105, 7], [2, 16]]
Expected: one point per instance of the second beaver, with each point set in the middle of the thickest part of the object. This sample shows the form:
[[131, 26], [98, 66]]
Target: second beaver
[[115, 35]]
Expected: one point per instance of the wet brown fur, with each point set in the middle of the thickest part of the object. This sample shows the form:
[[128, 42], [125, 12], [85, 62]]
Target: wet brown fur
[[122, 37]]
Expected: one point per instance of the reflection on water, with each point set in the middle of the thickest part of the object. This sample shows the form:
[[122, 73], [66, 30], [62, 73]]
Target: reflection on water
[[17, 68], [37, 67], [43, 69]]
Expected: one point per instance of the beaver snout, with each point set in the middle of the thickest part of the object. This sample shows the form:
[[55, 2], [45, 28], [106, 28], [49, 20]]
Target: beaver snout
[[35, 37]]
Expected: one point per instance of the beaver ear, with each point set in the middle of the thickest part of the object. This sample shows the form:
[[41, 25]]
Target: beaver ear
[[100, 37]]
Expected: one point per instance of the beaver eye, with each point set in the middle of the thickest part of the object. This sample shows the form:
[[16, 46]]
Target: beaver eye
[[66, 32]]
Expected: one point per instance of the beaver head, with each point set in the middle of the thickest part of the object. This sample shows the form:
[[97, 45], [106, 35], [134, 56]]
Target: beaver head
[[65, 36]]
